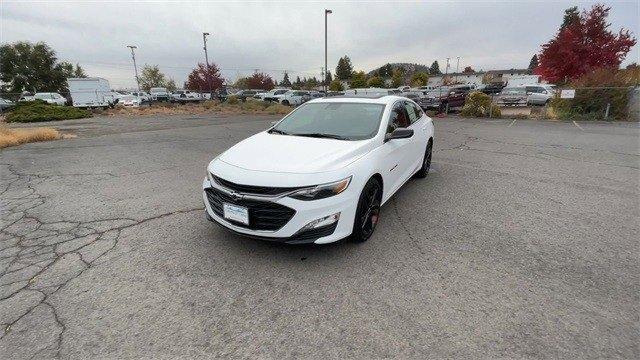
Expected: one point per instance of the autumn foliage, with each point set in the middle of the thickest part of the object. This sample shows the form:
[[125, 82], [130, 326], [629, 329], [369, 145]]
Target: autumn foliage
[[201, 78], [583, 45], [260, 81]]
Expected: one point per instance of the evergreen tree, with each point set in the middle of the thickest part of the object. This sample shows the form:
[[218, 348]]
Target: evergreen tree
[[344, 70], [534, 62], [285, 80], [571, 15], [435, 68]]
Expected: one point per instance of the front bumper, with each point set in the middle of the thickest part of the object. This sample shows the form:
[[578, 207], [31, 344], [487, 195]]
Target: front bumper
[[305, 212]]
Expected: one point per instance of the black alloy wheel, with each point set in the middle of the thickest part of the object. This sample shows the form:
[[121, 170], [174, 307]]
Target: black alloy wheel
[[368, 211], [426, 162]]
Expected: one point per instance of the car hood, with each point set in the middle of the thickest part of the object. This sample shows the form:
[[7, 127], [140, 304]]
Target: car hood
[[294, 154]]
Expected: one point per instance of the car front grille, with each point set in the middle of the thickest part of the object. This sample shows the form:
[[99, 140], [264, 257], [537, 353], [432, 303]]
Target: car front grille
[[251, 189], [263, 215]]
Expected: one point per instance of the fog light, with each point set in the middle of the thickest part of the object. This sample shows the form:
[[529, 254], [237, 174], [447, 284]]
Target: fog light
[[327, 220]]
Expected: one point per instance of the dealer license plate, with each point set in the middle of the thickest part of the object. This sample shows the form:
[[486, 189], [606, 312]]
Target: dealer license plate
[[236, 213]]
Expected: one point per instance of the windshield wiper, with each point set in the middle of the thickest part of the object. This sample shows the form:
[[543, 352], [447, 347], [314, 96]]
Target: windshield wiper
[[323, 135], [276, 131]]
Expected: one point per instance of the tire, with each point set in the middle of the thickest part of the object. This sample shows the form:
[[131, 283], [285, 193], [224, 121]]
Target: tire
[[367, 211], [285, 102], [426, 162]]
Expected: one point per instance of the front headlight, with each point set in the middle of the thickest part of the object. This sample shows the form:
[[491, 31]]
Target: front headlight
[[322, 191]]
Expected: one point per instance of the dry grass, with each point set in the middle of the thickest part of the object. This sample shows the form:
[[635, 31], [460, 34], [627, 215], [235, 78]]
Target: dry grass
[[13, 137], [210, 106]]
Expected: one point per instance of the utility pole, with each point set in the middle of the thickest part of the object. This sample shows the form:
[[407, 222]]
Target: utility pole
[[326, 12], [457, 68], [135, 67], [206, 59]]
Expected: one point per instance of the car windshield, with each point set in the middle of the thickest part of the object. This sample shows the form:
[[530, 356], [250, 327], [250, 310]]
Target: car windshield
[[345, 121]]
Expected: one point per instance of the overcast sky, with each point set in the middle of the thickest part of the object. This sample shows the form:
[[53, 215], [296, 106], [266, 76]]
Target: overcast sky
[[273, 37]]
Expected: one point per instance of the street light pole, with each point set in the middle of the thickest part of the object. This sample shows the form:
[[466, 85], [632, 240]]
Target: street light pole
[[206, 59], [135, 67], [457, 68], [324, 80]]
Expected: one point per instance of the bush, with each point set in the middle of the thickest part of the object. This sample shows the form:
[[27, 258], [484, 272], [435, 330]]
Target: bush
[[278, 109], [478, 104], [209, 104], [375, 82], [33, 111], [254, 105], [336, 85], [594, 91], [232, 100]]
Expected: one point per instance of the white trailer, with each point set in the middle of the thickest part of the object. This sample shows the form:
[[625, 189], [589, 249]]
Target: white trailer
[[91, 92]]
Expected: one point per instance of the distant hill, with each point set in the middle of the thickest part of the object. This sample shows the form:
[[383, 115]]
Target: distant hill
[[409, 69]]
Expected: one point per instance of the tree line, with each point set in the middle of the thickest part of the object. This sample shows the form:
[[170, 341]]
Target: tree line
[[583, 44]]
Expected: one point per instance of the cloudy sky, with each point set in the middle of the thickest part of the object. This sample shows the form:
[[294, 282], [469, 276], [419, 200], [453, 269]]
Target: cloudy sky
[[278, 36]]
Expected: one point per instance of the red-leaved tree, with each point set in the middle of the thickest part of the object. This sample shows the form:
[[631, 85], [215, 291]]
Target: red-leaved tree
[[203, 79], [583, 45], [260, 81]]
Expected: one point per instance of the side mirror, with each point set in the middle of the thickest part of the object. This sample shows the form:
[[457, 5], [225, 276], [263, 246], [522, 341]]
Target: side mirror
[[399, 133]]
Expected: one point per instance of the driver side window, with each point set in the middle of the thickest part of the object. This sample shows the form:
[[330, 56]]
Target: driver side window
[[398, 118]]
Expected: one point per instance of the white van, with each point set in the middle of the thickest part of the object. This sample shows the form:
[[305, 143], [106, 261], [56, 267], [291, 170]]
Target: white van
[[91, 92]]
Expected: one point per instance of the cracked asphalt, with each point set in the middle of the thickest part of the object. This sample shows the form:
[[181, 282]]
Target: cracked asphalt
[[522, 243]]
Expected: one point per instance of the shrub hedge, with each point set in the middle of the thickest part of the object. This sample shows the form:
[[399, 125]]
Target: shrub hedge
[[596, 90], [478, 104], [34, 111]]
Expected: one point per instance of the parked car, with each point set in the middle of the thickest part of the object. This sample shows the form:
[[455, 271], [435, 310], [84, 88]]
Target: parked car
[[26, 97], [413, 95], [513, 96], [456, 97], [270, 95], [221, 94], [130, 100], [492, 89], [159, 94], [322, 173], [91, 92], [50, 97], [294, 97], [372, 91], [431, 100], [185, 96], [144, 97], [6, 104], [427, 88], [539, 94], [243, 95]]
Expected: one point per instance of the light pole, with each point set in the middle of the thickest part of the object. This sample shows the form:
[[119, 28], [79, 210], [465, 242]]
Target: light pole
[[324, 80], [206, 59], [457, 68], [135, 67]]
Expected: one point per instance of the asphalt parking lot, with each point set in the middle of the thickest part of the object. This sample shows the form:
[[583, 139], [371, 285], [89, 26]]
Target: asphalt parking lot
[[519, 244]]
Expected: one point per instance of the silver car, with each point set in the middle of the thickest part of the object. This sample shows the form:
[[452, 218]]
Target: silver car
[[513, 96], [539, 94]]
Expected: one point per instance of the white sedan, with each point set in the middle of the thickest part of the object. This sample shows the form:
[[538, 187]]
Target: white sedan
[[322, 172], [51, 98]]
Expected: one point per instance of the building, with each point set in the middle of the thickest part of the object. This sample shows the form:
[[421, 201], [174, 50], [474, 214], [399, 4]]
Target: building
[[521, 76]]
